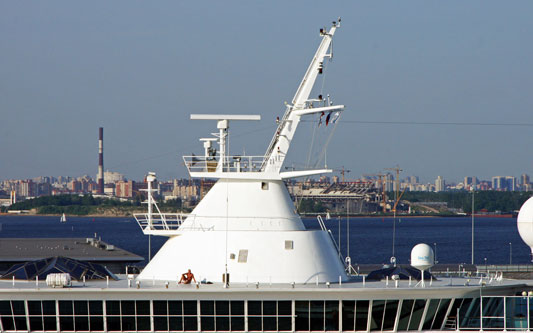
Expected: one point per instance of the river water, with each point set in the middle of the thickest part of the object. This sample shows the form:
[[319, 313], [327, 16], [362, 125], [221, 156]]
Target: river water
[[369, 240]]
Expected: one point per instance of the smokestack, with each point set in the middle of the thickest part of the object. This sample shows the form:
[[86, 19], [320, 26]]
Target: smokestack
[[100, 177]]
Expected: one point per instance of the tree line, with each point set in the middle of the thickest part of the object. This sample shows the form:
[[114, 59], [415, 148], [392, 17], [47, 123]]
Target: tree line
[[72, 204], [491, 201]]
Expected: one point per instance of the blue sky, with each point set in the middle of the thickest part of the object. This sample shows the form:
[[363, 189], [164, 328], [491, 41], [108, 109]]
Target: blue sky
[[140, 68]]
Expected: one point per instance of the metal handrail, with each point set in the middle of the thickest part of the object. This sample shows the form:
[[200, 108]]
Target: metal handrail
[[323, 226], [171, 223], [160, 221], [234, 163], [321, 223]]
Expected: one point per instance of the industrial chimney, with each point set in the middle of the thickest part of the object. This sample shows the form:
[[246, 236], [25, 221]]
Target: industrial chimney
[[100, 176]]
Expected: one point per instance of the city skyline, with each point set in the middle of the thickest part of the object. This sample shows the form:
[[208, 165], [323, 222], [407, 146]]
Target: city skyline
[[439, 89], [507, 182]]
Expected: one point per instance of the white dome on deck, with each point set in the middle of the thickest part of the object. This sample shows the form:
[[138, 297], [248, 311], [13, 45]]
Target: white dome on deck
[[422, 256], [524, 222]]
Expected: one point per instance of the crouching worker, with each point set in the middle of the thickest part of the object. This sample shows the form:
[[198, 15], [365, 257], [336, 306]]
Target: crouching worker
[[186, 278]]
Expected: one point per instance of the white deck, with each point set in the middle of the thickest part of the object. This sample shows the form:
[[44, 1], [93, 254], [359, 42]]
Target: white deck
[[444, 285]]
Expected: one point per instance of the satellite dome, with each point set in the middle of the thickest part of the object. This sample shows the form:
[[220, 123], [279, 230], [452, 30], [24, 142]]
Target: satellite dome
[[524, 222], [422, 256]]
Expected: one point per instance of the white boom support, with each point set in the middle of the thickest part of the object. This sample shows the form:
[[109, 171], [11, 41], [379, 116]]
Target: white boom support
[[281, 141]]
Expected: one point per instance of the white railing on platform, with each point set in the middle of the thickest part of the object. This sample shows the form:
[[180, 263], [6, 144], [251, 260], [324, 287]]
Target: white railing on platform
[[168, 224], [160, 222], [231, 163]]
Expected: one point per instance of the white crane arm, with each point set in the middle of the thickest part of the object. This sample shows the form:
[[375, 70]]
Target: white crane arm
[[279, 146]]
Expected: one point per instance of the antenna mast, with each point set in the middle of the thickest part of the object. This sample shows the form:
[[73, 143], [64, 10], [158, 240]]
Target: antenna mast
[[281, 141]]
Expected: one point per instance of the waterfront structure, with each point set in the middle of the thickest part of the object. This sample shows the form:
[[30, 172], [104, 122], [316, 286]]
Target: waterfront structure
[[356, 197]]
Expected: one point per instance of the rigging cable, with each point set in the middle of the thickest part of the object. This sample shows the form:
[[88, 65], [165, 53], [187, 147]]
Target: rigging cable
[[431, 123]]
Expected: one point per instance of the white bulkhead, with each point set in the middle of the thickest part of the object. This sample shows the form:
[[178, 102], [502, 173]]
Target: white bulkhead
[[245, 205], [265, 240]]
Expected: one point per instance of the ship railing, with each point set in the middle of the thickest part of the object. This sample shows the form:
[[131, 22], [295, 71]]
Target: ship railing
[[236, 223], [169, 224], [160, 222], [236, 163], [323, 227], [505, 268]]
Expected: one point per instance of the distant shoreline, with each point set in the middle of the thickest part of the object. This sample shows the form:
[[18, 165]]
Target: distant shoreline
[[333, 217]]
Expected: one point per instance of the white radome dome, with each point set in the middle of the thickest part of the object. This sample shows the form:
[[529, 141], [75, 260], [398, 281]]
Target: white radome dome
[[422, 256], [524, 222]]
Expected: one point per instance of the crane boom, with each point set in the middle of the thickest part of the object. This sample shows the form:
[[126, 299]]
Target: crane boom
[[280, 143]]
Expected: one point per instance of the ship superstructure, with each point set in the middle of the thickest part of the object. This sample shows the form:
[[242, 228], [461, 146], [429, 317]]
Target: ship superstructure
[[246, 226]]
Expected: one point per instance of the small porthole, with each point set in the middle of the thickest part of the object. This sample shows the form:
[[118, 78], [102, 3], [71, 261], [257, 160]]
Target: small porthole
[[264, 186]]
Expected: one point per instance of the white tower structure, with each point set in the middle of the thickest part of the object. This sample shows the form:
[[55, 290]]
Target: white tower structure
[[246, 225]]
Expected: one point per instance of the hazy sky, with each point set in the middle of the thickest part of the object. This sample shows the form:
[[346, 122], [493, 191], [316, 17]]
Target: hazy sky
[[139, 69]]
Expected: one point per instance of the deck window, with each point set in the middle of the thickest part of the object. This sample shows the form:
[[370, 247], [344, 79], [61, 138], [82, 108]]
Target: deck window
[[42, 315], [499, 313], [391, 309], [383, 315], [361, 315], [80, 316], [354, 315], [222, 315], [302, 315], [530, 312], [269, 316], [171, 316], [469, 314], [127, 316], [451, 319], [348, 315], [405, 314], [317, 315], [376, 320], [7, 316], [416, 316], [438, 322], [430, 313], [493, 313], [516, 313]]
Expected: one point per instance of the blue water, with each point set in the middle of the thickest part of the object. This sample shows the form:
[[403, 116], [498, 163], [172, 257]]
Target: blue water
[[370, 238]]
